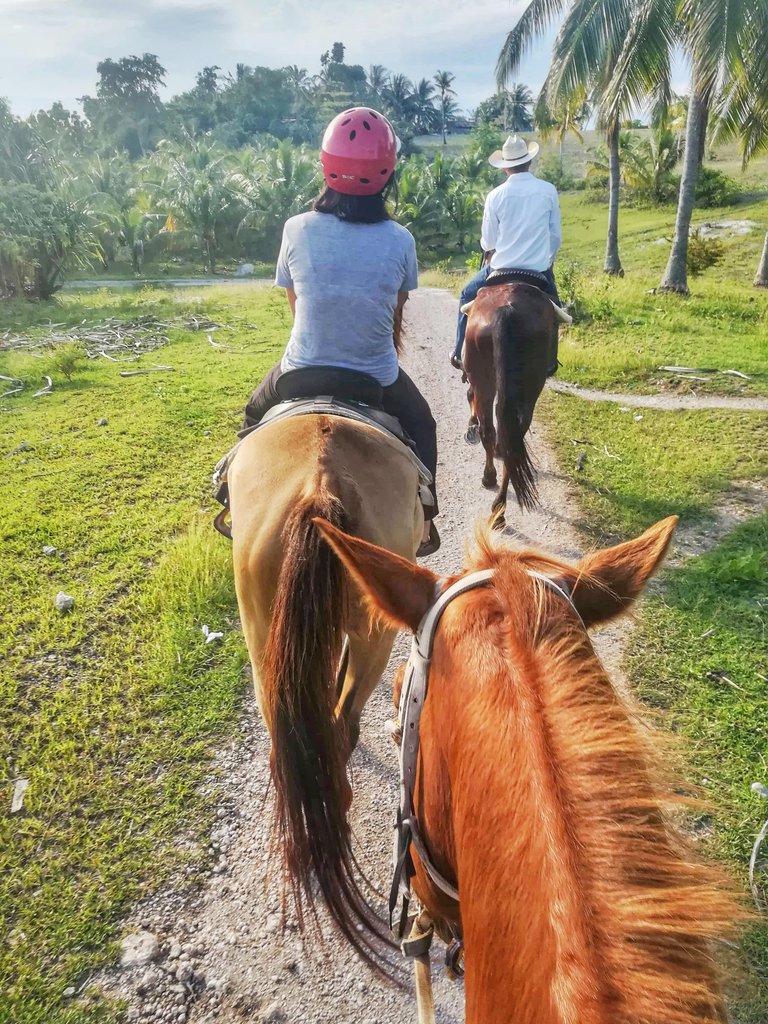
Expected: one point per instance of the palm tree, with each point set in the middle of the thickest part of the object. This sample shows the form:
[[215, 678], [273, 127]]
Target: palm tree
[[193, 184], [761, 277], [726, 43], [423, 109], [444, 81], [273, 186], [518, 101], [585, 60], [378, 77], [398, 94], [742, 113]]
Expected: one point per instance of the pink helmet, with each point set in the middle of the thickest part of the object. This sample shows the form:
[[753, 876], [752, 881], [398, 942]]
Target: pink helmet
[[358, 152]]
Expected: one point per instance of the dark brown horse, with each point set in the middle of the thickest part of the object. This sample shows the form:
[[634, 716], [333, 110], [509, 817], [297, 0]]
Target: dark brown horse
[[509, 349]]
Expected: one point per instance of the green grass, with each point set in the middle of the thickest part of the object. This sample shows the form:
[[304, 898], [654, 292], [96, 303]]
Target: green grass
[[666, 463], [110, 711], [709, 617]]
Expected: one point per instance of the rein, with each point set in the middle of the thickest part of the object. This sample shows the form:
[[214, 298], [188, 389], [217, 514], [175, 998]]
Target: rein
[[407, 831]]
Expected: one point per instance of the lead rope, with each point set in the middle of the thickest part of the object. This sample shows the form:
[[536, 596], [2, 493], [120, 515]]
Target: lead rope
[[416, 947]]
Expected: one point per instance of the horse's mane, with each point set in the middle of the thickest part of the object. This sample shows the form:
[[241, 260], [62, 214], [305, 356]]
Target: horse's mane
[[634, 907]]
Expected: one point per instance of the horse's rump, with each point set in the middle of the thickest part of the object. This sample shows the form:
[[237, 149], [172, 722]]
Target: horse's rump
[[293, 603]]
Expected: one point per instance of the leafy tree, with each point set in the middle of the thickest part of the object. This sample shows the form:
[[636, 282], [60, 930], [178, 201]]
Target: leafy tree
[[126, 112]]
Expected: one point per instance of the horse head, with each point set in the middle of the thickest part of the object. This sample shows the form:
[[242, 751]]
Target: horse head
[[538, 798]]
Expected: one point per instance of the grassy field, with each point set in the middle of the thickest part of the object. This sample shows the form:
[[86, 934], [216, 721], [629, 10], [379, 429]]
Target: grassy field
[[109, 710]]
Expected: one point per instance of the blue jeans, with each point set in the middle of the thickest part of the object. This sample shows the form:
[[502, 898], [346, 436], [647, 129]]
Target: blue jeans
[[470, 290], [468, 293]]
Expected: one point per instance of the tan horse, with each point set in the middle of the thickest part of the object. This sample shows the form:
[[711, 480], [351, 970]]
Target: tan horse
[[579, 903], [296, 608]]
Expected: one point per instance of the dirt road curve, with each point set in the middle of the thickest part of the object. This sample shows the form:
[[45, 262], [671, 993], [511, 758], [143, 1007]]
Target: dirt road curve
[[221, 956]]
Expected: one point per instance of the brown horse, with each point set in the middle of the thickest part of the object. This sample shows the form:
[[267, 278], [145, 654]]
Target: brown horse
[[509, 348], [579, 902], [296, 609]]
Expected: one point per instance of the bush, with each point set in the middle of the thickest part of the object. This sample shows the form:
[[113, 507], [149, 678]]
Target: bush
[[714, 188], [703, 252], [474, 262], [548, 168], [570, 283], [68, 358]]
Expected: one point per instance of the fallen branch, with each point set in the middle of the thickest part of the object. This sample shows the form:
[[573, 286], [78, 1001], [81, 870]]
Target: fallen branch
[[44, 391], [226, 348], [686, 371], [150, 370]]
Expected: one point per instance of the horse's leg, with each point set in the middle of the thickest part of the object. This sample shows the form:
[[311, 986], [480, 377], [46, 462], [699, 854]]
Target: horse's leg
[[499, 505], [472, 435], [488, 436], [368, 656]]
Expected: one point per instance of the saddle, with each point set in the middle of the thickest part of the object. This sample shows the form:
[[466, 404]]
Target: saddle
[[512, 275], [324, 391]]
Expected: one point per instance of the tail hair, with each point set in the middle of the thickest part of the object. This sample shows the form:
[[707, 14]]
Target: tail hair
[[511, 364], [309, 747]]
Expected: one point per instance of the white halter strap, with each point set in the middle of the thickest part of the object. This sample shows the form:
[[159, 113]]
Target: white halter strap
[[412, 697]]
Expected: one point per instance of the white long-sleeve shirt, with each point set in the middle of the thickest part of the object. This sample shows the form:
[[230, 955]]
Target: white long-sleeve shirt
[[522, 223]]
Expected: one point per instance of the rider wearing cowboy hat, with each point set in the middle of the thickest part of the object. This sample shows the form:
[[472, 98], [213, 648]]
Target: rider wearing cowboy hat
[[521, 226]]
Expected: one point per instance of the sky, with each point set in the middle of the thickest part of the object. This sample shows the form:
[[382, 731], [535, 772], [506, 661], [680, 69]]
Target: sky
[[49, 49]]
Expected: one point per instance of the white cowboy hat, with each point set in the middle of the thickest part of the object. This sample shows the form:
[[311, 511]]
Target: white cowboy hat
[[514, 152]]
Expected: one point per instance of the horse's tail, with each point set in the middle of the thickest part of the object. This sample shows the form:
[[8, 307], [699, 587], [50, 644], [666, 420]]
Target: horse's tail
[[309, 748], [513, 367]]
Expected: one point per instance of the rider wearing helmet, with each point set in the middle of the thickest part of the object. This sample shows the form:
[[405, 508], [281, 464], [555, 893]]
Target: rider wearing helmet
[[347, 268]]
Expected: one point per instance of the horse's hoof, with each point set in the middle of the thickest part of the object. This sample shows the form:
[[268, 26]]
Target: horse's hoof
[[490, 481], [472, 435]]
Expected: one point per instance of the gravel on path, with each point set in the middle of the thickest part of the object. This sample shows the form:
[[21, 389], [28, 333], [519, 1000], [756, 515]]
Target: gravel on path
[[221, 957]]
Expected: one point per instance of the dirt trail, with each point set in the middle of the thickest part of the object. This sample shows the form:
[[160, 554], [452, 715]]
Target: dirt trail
[[668, 402], [221, 957]]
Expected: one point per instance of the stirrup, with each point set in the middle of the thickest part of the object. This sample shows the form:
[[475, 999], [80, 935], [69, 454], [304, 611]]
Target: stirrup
[[221, 525], [431, 544], [456, 362]]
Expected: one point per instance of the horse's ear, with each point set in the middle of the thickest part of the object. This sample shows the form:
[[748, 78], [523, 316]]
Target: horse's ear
[[396, 589], [606, 583]]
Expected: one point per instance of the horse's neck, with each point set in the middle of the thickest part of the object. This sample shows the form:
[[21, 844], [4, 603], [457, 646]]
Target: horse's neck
[[530, 951], [576, 906]]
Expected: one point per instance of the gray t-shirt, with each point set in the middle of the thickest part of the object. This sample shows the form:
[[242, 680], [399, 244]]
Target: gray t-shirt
[[346, 277]]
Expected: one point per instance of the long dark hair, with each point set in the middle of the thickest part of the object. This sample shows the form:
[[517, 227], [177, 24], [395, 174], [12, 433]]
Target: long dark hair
[[355, 209]]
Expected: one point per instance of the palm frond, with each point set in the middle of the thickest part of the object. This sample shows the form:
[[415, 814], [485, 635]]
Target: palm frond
[[537, 16]]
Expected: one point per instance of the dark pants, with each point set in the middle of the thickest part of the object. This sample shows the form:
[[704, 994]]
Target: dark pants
[[402, 400], [472, 287]]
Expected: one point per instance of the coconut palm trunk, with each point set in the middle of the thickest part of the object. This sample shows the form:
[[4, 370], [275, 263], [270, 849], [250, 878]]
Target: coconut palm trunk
[[761, 277], [612, 264], [676, 275]]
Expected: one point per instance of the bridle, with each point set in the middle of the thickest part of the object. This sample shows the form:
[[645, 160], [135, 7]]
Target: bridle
[[412, 697]]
